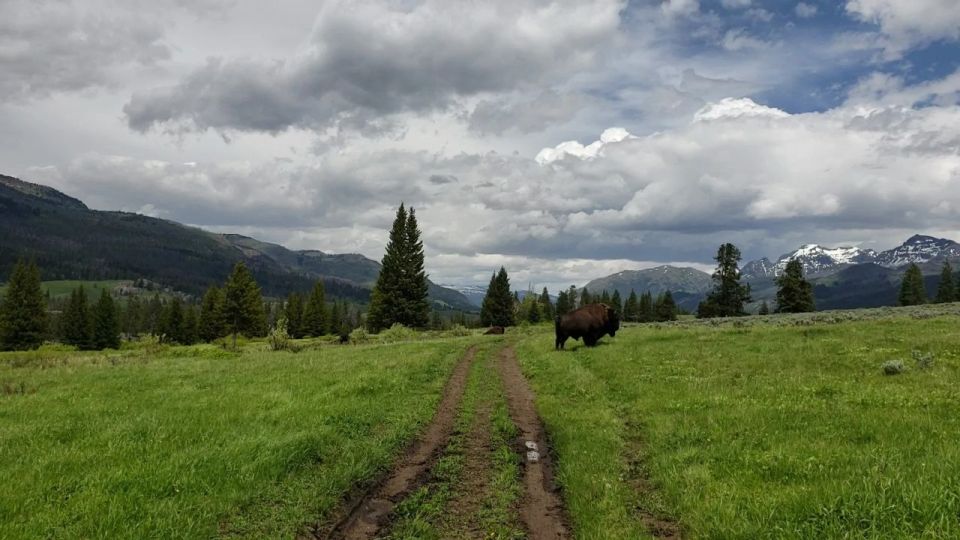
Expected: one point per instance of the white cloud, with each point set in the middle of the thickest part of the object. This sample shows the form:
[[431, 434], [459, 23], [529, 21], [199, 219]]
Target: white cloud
[[735, 4], [909, 23], [675, 8], [738, 40], [805, 10]]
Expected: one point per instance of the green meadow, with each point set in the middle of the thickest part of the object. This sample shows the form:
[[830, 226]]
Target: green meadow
[[776, 427], [195, 442]]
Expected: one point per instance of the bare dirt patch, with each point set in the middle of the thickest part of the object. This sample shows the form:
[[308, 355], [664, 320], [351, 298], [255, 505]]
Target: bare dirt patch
[[541, 508], [371, 512]]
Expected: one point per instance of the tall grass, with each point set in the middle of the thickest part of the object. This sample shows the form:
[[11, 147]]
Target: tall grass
[[758, 431], [254, 444]]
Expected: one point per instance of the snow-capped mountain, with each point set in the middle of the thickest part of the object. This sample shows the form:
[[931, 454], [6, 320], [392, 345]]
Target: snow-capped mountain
[[818, 260], [919, 249]]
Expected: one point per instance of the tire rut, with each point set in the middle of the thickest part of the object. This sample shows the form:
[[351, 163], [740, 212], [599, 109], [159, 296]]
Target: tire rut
[[541, 507], [371, 513]]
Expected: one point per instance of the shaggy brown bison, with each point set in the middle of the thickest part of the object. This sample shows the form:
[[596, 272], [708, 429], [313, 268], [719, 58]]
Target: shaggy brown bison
[[494, 331], [589, 322]]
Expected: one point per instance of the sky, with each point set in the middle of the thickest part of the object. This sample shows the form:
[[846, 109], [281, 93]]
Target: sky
[[565, 140]]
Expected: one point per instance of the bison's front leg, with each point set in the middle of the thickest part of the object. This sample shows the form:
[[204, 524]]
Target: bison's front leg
[[560, 342]]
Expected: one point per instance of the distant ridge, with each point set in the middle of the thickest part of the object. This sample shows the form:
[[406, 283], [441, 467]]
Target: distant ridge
[[70, 241]]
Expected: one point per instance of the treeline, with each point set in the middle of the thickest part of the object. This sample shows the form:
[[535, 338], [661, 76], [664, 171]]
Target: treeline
[[28, 317], [501, 307]]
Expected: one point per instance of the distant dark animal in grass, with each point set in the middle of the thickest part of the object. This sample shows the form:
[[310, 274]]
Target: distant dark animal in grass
[[344, 338], [590, 323], [494, 331]]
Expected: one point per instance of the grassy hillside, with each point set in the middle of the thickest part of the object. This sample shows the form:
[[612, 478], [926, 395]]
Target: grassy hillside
[[783, 427]]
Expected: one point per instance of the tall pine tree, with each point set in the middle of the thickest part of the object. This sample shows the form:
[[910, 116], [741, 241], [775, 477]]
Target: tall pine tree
[[665, 308], [106, 323], [728, 295], [497, 308], [947, 290], [77, 322], [211, 325], [585, 297], [315, 316], [794, 292], [912, 290], [546, 306], [243, 304], [23, 310], [631, 308], [616, 302], [400, 294], [294, 314], [646, 311]]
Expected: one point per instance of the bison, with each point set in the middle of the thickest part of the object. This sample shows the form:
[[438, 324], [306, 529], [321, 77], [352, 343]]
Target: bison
[[589, 322], [495, 331]]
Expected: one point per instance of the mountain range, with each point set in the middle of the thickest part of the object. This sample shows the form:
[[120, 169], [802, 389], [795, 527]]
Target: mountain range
[[68, 240], [842, 277]]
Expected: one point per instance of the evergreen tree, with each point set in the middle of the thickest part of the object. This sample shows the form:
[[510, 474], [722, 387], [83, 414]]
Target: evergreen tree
[[631, 308], [154, 315], [728, 295], [646, 311], [617, 303], [530, 309], [23, 310], [211, 325], [293, 311], [106, 323], [546, 306], [498, 304], [665, 308], [191, 325], [912, 290], [764, 309], [563, 304], [585, 298], [336, 317], [416, 307], [947, 290], [77, 322], [794, 293], [436, 321], [400, 294], [132, 317], [605, 297], [243, 304], [315, 316], [171, 325]]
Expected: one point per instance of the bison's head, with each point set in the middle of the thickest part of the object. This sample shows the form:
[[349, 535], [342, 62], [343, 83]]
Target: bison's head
[[613, 321]]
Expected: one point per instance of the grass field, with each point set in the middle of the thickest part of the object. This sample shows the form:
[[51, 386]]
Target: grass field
[[760, 431], [253, 445], [777, 427]]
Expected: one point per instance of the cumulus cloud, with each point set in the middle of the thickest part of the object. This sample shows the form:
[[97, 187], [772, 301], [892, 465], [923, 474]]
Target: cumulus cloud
[[737, 171], [909, 23], [374, 58]]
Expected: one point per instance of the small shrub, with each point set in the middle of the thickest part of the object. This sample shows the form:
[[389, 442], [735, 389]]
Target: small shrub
[[359, 335], [459, 330], [398, 332], [893, 367], [923, 360], [278, 338]]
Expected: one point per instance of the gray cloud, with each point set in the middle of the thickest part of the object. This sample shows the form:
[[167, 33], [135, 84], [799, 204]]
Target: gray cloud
[[371, 59]]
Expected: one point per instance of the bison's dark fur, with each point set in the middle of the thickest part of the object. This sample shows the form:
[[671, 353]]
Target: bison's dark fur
[[589, 322], [494, 330]]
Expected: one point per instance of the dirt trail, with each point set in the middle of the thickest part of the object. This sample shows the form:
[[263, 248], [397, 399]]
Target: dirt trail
[[372, 511], [462, 513], [541, 509]]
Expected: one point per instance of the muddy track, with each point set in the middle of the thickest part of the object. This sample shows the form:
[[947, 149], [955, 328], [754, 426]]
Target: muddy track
[[372, 511], [541, 508], [462, 513]]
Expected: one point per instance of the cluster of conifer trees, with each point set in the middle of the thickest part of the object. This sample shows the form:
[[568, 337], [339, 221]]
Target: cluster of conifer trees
[[913, 290]]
